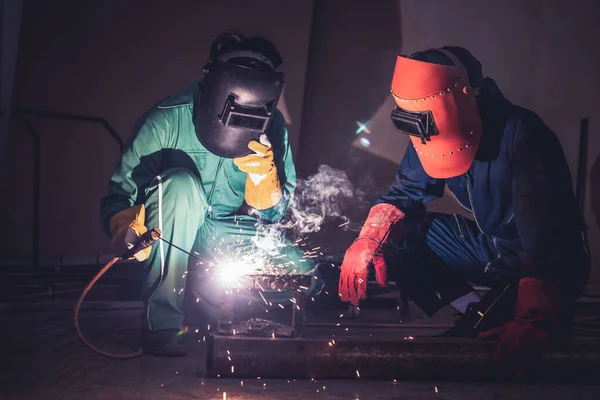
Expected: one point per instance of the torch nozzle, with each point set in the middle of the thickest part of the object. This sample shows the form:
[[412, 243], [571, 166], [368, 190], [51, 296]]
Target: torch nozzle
[[146, 240]]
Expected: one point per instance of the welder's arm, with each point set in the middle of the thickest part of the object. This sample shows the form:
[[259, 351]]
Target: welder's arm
[[537, 202], [409, 194], [121, 210], [537, 211], [285, 170], [413, 188]]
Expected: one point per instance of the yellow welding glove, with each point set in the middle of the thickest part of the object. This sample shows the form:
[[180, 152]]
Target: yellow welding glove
[[263, 189], [126, 227]]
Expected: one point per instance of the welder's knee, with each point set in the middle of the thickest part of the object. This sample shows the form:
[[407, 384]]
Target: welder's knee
[[180, 187], [181, 182]]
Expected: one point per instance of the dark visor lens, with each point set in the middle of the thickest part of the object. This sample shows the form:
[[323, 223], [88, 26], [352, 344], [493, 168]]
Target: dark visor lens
[[415, 123], [253, 119], [251, 122]]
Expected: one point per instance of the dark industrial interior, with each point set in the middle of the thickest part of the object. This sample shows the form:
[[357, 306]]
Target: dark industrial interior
[[78, 77]]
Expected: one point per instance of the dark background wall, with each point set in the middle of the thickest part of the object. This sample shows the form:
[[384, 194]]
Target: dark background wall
[[544, 55], [115, 58], [10, 20]]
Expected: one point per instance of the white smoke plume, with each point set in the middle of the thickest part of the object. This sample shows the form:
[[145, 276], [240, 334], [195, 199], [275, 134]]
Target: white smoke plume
[[327, 195]]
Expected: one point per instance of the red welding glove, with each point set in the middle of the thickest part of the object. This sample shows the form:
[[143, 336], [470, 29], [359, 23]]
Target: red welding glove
[[524, 340], [366, 249]]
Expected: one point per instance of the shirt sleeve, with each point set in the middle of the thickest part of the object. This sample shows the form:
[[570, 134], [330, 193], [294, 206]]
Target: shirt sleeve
[[413, 188], [138, 165], [544, 203]]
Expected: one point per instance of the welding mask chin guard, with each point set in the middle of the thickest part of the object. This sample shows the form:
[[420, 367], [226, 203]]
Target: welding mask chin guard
[[236, 106]]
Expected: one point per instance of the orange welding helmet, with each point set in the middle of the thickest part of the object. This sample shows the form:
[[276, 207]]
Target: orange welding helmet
[[436, 106]]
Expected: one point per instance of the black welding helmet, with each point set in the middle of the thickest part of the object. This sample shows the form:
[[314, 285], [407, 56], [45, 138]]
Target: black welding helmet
[[239, 95]]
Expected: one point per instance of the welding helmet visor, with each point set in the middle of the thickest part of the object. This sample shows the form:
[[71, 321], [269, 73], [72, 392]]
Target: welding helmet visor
[[436, 107], [236, 105]]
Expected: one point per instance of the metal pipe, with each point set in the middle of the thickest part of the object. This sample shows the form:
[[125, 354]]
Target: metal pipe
[[580, 187], [304, 165], [37, 171], [74, 117], [22, 113], [378, 325]]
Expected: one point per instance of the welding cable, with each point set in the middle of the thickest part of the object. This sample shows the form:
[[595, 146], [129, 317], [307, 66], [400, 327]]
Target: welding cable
[[87, 289], [146, 240]]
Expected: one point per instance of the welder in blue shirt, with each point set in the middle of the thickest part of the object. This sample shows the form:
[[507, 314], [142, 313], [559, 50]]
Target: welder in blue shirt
[[526, 239]]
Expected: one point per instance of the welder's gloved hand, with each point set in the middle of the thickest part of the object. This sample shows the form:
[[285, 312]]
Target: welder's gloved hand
[[524, 340], [126, 227], [263, 189], [366, 249]]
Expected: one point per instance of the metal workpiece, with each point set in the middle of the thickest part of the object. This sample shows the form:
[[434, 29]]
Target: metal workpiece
[[237, 315], [274, 282], [403, 360]]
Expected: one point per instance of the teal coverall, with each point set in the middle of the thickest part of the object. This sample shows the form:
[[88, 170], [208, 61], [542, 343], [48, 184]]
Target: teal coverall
[[193, 196]]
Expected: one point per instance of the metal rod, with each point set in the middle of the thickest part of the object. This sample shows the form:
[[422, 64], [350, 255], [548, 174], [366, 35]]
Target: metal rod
[[74, 117], [185, 251]]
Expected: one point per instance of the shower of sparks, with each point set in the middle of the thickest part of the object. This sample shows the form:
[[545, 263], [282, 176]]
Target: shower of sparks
[[263, 297]]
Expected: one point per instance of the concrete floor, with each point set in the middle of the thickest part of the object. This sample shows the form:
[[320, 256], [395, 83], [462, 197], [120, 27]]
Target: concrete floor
[[43, 359]]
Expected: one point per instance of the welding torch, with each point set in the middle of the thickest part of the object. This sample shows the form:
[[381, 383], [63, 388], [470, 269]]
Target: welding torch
[[146, 240]]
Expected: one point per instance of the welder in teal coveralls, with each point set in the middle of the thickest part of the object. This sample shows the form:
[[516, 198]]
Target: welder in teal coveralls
[[209, 166]]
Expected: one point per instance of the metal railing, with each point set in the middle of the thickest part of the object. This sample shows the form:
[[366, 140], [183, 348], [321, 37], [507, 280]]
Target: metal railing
[[22, 113]]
